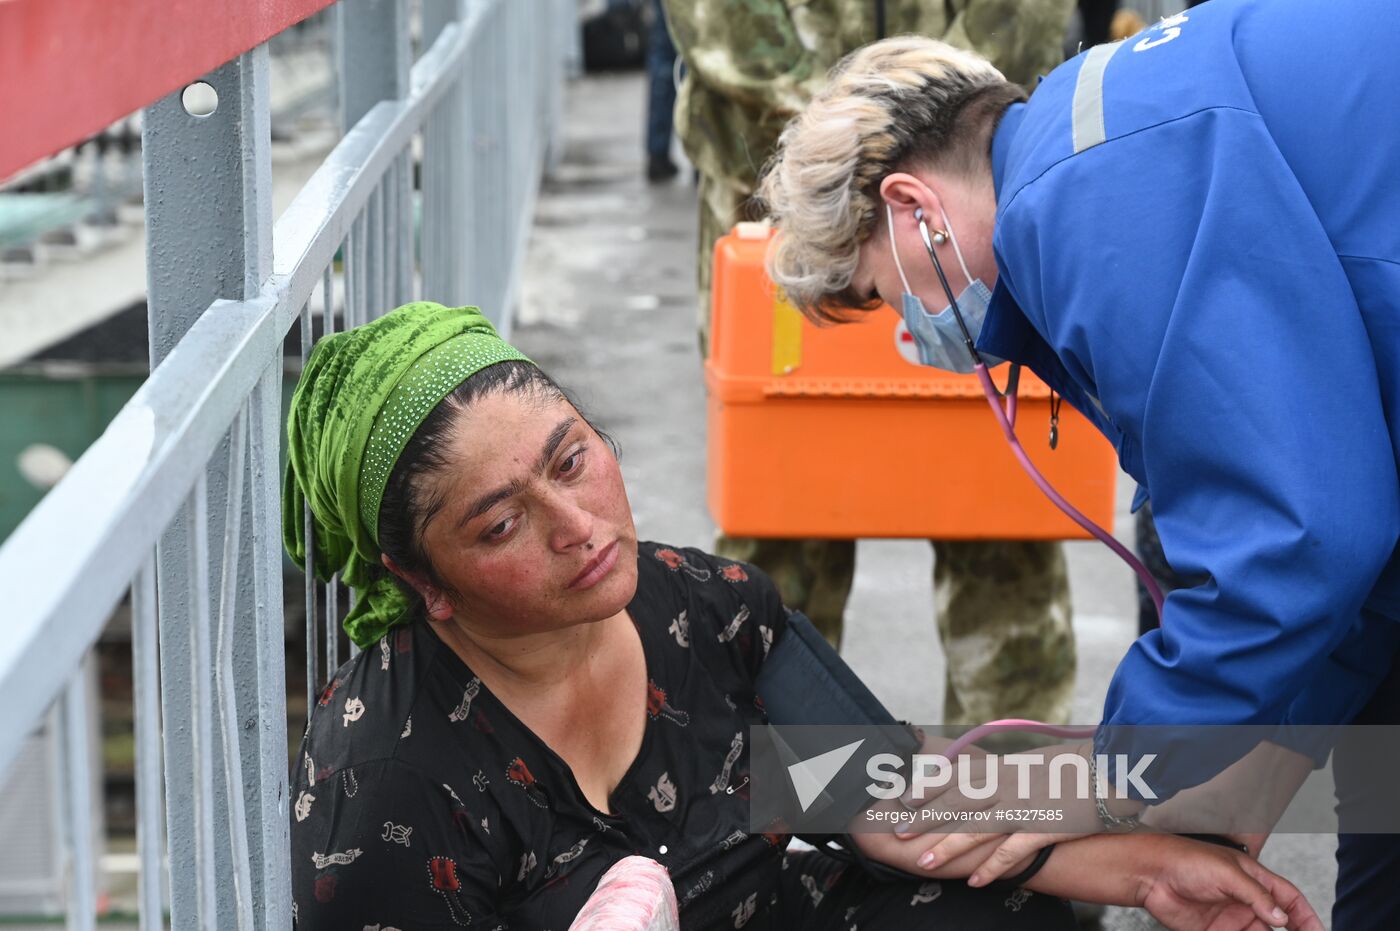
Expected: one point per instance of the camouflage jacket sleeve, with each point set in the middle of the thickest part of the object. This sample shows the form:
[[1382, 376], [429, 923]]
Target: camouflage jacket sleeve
[[747, 50], [1023, 38]]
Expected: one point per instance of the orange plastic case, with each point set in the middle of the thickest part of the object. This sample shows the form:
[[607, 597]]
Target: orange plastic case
[[838, 432]]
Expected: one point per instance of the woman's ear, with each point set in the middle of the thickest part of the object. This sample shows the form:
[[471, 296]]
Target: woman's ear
[[904, 191], [435, 602]]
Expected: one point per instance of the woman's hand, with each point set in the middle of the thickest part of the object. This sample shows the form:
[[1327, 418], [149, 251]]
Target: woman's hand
[[1187, 885], [1209, 888]]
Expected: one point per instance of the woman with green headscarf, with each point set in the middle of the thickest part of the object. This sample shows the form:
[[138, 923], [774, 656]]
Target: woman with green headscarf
[[540, 695]]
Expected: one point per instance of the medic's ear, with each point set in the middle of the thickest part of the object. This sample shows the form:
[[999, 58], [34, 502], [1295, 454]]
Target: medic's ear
[[904, 191]]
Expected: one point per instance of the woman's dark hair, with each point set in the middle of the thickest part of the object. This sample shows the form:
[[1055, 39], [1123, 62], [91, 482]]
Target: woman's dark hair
[[406, 507]]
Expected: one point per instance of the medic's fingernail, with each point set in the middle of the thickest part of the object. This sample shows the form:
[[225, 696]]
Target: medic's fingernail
[[975, 880], [905, 826], [927, 860], [1280, 918]]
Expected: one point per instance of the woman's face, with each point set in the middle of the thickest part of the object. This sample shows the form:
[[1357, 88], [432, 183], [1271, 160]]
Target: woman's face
[[534, 532]]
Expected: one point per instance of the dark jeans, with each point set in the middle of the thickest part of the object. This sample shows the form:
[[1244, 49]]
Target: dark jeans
[[661, 88], [1368, 865]]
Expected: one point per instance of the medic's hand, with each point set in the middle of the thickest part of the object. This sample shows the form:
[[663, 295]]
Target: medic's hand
[[1203, 887], [876, 840], [1018, 779], [1018, 800]]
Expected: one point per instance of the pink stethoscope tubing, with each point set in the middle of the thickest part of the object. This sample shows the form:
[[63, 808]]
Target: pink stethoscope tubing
[[1006, 418]]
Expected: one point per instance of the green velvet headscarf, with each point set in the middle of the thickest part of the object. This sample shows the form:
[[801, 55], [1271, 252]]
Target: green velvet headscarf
[[361, 397]]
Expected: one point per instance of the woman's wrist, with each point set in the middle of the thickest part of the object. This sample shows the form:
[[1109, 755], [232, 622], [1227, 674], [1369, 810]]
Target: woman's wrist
[[1106, 869]]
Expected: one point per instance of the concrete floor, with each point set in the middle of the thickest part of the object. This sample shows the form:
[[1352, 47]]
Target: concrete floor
[[608, 308]]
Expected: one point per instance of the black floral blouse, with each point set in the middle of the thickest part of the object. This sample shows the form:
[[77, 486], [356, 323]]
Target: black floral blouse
[[420, 801]]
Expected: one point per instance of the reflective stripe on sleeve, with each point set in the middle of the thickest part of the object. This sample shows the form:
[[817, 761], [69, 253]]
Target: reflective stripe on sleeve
[[1088, 97]]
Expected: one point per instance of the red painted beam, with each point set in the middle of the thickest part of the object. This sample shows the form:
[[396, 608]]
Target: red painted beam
[[69, 68]]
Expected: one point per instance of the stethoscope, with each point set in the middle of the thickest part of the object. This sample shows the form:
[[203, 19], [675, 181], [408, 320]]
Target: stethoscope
[[1005, 414]]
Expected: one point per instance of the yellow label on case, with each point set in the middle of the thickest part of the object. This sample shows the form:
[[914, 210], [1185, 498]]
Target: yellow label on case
[[787, 338]]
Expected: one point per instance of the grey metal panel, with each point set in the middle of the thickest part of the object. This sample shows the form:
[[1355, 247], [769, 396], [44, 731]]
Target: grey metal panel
[[209, 222]]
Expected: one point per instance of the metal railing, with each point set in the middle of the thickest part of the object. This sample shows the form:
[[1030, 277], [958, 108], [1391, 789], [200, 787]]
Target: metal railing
[[178, 503]]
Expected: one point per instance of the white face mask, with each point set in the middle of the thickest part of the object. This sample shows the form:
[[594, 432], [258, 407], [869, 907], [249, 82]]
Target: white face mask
[[938, 336]]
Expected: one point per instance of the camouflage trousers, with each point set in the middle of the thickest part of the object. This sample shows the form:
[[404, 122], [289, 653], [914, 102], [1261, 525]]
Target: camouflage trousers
[[1003, 609]]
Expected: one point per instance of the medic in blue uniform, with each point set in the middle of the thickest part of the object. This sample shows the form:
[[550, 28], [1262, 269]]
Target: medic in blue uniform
[[1213, 278], [1197, 244]]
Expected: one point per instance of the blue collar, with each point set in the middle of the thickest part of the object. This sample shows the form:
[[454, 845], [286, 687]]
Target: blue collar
[[1006, 332], [1002, 140]]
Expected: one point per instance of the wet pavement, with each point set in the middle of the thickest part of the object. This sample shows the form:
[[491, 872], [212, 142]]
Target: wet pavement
[[608, 308]]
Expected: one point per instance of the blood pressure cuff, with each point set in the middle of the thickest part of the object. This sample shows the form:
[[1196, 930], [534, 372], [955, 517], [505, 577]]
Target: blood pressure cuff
[[807, 688]]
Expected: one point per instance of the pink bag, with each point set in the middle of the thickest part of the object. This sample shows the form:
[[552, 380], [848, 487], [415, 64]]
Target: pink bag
[[634, 895]]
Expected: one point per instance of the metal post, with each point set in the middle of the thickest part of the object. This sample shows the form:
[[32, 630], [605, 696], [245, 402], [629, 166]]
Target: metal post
[[209, 236]]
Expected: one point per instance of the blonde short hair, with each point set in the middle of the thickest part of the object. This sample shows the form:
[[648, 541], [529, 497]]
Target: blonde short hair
[[900, 101]]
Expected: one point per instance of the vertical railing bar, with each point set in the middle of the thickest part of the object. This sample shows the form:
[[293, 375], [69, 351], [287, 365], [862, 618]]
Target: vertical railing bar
[[332, 629], [328, 297], [374, 298], [200, 703], [469, 190], [408, 214], [77, 793], [349, 268], [349, 271], [145, 675], [431, 245], [430, 197], [501, 107], [348, 264], [392, 231], [262, 694], [362, 282], [461, 234], [433, 196], [308, 531], [223, 674], [418, 205], [453, 276]]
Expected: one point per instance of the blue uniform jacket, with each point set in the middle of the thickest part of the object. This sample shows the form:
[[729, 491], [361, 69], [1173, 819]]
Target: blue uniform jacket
[[1211, 274]]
